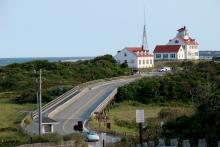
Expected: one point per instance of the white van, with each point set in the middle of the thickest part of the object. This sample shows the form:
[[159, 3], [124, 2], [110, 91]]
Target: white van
[[165, 69]]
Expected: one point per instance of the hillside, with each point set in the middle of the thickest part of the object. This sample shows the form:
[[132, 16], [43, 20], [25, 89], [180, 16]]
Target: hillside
[[192, 84], [17, 80], [17, 88]]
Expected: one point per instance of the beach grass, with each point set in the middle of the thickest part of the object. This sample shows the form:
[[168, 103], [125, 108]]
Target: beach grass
[[122, 116]]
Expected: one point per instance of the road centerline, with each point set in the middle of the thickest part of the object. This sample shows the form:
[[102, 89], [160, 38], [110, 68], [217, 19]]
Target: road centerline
[[82, 107]]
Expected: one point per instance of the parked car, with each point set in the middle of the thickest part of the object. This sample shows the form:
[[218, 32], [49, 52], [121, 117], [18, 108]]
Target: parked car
[[165, 69], [91, 136]]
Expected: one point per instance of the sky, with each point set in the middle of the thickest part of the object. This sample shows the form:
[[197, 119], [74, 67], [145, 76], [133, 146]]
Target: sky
[[72, 28]]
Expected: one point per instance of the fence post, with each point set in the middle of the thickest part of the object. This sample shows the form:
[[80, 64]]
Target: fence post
[[174, 142], [202, 143], [186, 143], [151, 144], [161, 143]]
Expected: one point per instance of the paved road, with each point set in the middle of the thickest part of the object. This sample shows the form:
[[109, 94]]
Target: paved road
[[81, 109]]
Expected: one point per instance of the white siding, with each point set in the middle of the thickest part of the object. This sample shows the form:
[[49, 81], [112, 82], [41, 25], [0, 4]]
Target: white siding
[[189, 53], [181, 54], [133, 60], [125, 55], [145, 62]]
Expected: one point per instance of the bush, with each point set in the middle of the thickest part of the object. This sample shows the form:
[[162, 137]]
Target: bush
[[168, 113], [78, 137], [125, 123], [27, 120], [27, 96], [55, 138], [195, 84]]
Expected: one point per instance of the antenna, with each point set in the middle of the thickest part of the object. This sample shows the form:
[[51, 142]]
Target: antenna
[[144, 41]]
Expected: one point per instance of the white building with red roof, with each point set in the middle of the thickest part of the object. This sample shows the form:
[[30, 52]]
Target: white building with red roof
[[135, 57], [169, 52], [178, 48]]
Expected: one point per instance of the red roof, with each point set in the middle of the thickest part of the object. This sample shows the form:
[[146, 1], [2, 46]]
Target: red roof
[[182, 29], [134, 49], [138, 51], [167, 48], [189, 41]]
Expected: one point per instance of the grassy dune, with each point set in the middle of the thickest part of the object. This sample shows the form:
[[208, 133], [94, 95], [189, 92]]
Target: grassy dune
[[10, 118], [122, 116]]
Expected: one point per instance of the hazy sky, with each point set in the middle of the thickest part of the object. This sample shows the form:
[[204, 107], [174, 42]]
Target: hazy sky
[[33, 28]]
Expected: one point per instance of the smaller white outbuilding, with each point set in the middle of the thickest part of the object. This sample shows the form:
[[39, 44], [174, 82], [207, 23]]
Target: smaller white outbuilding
[[48, 125], [135, 57]]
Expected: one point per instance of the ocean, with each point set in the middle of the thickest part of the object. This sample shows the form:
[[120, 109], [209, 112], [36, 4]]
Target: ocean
[[7, 61]]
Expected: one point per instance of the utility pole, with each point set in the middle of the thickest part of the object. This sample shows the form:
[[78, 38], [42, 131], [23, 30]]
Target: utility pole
[[40, 116], [38, 89]]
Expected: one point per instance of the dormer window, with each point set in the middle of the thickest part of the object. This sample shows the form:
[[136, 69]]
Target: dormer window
[[176, 41]]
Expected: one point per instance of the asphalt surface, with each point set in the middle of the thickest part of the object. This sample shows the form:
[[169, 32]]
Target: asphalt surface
[[82, 108]]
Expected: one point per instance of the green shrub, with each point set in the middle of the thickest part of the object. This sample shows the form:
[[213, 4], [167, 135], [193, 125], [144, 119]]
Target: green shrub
[[55, 138], [27, 120], [125, 123], [78, 137], [169, 113]]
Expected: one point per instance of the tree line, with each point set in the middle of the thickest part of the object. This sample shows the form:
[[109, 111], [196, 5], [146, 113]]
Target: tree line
[[57, 77], [194, 83]]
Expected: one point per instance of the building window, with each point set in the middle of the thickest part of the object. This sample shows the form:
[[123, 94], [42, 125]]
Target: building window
[[150, 61], [125, 55], [165, 56], [176, 41], [143, 61], [158, 55], [172, 55], [139, 62], [147, 62], [184, 47]]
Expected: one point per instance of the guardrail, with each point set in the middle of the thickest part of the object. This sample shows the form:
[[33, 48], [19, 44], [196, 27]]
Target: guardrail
[[105, 102], [55, 101], [76, 89], [67, 103]]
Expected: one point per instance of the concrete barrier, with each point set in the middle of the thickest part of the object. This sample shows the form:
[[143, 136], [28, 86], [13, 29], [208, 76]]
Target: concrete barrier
[[54, 102], [67, 103], [105, 102]]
